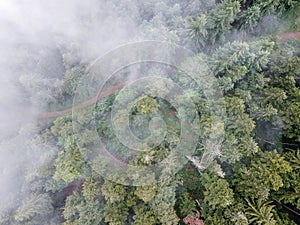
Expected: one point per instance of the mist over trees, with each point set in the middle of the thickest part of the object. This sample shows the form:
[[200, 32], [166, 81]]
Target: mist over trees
[[250, 48]]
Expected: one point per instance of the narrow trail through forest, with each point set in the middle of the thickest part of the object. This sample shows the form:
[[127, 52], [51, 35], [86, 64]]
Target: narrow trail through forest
[[282, 37]]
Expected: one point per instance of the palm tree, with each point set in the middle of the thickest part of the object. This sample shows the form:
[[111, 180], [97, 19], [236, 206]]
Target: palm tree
[[259, 212]]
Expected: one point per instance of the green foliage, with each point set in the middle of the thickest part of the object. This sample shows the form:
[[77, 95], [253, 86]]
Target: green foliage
[[163, 203], [198, 30], [79, 211], [213, 26], [147, 106], [240, 219], [69, 164], [250, 17], [216, 217], [33, 209], [116, 213], [220, 19], [71, 79], [271, 6], [113, 192], [146, 193], [217, 193], [283, 218], [246, 16], [238, 141], [186, 204], [291, 117], [260, 212], [191, 180], [264, 174], [291, 18], [290, 192], [62, 127], [90, 188], [144, 215]]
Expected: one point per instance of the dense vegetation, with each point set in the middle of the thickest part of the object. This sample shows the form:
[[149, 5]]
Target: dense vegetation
[[255, 178]]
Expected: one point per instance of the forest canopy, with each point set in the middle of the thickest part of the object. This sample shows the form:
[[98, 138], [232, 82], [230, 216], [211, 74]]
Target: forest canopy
[[250, 50]]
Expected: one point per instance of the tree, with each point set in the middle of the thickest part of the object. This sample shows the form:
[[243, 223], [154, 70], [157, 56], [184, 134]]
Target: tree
[[144, 215], [265, 173], [186, 205], [259, 212], [213, 26], [33, 209], [217, 193], [80, 211], [116, 213], [70, 164], [290, 192]]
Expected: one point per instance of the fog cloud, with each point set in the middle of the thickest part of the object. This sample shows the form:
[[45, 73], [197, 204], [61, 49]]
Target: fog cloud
[[33, 37]]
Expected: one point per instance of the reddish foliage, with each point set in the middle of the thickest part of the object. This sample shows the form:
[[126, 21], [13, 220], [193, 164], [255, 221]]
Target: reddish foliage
[[195, 220], [76, 185]]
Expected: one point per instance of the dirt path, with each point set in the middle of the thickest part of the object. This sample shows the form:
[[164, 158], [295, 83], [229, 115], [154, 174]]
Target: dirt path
[[113, 89], [287, 36], [89, 102]]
